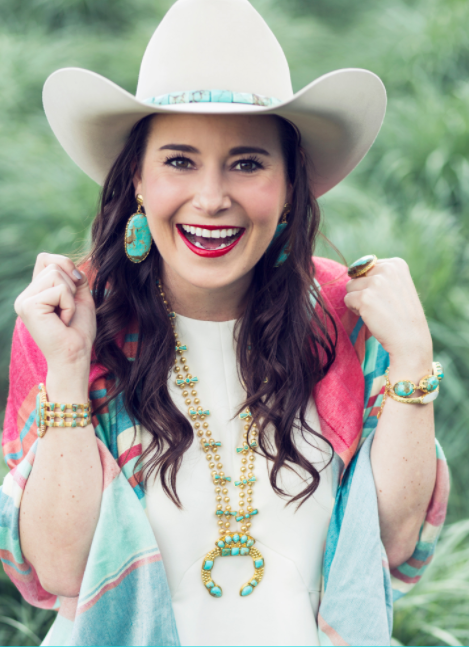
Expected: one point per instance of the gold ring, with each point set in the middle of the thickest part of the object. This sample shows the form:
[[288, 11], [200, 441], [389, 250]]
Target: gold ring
[[362, 266]]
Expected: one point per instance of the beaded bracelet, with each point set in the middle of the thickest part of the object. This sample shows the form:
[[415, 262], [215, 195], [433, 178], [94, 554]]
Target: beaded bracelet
[[403, 389], [55, 414]]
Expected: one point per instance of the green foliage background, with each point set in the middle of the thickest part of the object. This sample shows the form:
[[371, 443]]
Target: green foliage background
[[409, 197]]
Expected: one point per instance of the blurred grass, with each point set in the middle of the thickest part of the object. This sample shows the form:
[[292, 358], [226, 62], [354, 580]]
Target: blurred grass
[[409, 197]]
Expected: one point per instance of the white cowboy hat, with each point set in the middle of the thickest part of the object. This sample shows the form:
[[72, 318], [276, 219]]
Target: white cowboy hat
[[217, 56]]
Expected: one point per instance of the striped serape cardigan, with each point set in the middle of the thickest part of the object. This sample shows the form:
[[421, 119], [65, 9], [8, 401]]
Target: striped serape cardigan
[[124, 597]]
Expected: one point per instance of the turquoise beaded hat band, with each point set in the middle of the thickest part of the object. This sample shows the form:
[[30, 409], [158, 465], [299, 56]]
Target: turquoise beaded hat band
[[212, 96]]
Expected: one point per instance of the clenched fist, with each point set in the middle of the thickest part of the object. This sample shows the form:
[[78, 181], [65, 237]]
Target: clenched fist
[[388, 303], [58, 310]]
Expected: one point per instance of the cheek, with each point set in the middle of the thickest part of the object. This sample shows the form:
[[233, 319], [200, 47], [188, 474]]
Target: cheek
[[264, 203], [163, 198]]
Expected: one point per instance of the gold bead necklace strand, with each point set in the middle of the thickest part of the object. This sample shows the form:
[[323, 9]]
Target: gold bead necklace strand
[[230, 543]]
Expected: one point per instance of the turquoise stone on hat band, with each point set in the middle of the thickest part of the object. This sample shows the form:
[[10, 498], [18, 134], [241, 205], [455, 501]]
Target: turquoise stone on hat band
[[212, 96], [362, 266]]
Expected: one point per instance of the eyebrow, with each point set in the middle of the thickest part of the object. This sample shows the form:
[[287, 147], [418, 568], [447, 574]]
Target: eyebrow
[[184, 148], [238, 150], [243, 150]]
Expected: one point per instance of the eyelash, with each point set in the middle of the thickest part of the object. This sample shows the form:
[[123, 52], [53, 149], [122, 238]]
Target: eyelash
[[251, 158]]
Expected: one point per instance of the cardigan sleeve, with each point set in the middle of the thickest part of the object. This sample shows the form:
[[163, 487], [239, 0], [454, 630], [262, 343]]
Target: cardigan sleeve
[[374, 364], [374, 360], [27, 369]]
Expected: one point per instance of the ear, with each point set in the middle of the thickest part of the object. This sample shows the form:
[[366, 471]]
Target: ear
[[137, 177]]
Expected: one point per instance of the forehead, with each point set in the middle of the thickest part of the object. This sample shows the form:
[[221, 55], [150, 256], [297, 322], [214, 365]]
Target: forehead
[[230, 130]]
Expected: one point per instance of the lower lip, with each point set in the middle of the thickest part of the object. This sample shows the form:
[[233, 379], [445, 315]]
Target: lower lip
[[209, 253]]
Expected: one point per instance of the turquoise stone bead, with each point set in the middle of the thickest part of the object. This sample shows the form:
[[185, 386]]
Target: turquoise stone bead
[[38, 419], [210, 585], [247, 590], [62, 406], [244, 551], [137, 237], [244, 539], [74, 407], [236, 538], [228, 539], [52, 406], [74, 423], [403, 388], [432, 383], [235, 550], [216, 592], [254, 582], [259, 563], [226, 551], [62, 423], [208, 565], [221, 544], [250, 543]]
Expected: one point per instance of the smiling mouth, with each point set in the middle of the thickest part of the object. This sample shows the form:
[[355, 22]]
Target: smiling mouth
[[211, 238]]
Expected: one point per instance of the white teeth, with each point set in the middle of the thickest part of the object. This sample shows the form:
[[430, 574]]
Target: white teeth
[[197, 244], [222, 246], [211, 233]]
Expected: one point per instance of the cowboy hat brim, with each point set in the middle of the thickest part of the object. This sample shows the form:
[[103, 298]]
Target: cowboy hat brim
[[339, 116]]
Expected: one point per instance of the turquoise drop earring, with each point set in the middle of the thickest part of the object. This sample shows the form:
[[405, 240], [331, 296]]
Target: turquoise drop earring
[[137, 241], [280, 227]]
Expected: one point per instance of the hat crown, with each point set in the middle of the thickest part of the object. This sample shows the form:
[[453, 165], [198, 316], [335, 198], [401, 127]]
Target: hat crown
[[214, 44]]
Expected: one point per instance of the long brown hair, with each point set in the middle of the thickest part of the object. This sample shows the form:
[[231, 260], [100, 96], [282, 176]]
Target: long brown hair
[[283, 350]]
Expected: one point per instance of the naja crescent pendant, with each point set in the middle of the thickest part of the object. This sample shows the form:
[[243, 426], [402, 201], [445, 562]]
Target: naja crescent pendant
[[233, 544]]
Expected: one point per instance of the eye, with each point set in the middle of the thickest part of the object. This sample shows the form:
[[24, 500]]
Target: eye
[[179, 162], [248, 165]]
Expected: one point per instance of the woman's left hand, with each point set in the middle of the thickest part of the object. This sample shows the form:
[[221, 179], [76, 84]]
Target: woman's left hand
[[390, 307], [403, 445]]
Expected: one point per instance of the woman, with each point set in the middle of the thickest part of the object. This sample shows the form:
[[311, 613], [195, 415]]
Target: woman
[[246, 375]]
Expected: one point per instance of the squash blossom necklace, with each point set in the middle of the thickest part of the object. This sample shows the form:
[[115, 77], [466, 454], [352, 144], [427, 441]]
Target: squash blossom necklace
[[230, 543]]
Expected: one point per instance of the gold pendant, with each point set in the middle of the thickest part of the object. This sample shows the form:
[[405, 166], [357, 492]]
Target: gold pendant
[[233, 544]]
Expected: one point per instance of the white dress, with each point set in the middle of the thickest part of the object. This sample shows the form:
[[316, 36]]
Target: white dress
[[282, 610]]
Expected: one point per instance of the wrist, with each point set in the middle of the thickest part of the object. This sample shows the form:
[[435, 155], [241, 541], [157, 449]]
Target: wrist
[[68, 384], [410, 367]]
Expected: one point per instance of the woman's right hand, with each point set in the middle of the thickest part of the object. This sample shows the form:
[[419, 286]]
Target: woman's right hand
[[58, 310]]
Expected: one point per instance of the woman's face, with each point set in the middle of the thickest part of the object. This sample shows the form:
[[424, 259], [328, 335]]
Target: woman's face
[[213, 188]]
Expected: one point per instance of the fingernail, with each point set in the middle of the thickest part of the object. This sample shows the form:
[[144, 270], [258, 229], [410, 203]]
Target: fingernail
[[76, 274]]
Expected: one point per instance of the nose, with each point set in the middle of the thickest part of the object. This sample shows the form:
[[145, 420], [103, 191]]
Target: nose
[[211, 197]]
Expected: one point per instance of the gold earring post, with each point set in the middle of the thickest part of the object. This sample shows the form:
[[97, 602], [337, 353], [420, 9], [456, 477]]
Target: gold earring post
[[139, 199]]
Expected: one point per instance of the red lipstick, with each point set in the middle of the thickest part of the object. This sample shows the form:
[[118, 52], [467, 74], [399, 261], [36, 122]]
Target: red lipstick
[[209, 253]]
